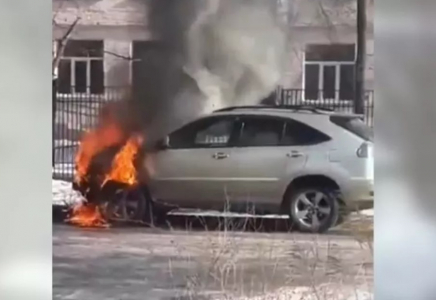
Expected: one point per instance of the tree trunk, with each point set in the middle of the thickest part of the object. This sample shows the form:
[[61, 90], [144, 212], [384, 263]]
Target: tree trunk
[[359, 99]]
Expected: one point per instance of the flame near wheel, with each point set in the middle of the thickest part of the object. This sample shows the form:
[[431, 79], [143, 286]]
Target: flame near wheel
[[128, 205], [107, 178]]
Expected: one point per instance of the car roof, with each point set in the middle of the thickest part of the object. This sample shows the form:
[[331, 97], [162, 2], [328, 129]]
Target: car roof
[[282, 111]]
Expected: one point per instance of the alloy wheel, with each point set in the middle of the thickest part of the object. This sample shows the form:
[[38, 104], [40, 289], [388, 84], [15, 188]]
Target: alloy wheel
[[312, 208]]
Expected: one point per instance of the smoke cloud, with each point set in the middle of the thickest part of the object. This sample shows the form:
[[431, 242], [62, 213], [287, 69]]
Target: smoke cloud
[[214, 53], [209, 54]]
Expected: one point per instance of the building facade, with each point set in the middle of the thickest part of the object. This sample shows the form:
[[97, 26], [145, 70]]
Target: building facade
[[322, 37], [105, 45]]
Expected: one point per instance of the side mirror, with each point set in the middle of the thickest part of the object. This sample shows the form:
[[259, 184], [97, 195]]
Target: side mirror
[[163, 143]]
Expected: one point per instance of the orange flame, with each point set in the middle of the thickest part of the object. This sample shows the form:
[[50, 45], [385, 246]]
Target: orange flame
[[87, 215], [94, 142], [123, 169], [108, 133]]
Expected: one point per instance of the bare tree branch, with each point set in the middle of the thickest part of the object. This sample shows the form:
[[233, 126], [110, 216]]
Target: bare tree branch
[[63, 43], [332, 32], [122, 56]]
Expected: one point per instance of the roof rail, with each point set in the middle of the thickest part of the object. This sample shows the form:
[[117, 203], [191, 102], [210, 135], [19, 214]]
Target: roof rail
[[312, 108]]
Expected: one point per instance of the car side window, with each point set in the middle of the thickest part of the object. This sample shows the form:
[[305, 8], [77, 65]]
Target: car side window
[[299, 134], [260, 132], [207, 133]]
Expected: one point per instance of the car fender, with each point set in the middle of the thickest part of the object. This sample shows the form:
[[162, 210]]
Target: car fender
[[336, 175]]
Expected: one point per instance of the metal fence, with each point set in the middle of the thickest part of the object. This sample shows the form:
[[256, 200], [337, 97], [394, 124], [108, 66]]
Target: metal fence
[[74, 114], [319, 99]]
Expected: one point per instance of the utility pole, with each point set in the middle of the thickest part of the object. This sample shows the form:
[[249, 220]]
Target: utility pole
[[359, 86]]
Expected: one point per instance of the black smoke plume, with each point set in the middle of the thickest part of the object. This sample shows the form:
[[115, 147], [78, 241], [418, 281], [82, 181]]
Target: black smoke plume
[[207, 54], [212, 53]]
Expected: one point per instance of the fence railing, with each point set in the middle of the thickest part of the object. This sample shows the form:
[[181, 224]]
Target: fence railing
[[74, 114], [298, 96]]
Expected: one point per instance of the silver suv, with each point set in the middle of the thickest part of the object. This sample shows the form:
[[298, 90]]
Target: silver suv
[[308, 163]]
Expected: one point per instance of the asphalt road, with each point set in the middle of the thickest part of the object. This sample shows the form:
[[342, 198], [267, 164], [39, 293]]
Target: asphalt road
[[161, 263]]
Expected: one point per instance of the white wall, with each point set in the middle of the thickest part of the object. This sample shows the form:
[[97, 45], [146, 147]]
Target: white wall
[[119, 22], [323, 22]]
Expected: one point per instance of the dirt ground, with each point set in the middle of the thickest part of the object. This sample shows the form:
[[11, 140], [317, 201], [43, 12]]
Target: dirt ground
[[164, 264]]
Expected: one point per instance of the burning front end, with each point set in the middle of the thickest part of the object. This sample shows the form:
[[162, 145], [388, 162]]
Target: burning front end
[[107, 175]]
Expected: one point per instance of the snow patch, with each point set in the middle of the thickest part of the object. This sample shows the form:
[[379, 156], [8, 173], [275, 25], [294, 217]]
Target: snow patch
[[64, 195], [367, 212], [321, 292], [212, 213]]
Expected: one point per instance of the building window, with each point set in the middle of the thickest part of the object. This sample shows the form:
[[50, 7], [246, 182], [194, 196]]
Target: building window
[[81, 68], [329, 72]]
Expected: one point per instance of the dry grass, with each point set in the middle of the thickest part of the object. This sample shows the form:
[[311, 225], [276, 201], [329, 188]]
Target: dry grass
[[361, 228], [240, 265], [240, 262]]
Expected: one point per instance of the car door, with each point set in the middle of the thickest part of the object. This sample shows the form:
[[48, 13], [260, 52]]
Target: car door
[[195, 171], [265, 157]]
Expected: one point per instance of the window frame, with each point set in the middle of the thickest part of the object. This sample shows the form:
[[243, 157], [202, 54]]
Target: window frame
[[73, 60], [337, 64], [286, 121], [326, 136], [197, 123], [256, 116]]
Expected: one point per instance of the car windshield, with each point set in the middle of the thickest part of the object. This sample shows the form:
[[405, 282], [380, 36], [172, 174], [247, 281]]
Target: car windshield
[[354, 125]]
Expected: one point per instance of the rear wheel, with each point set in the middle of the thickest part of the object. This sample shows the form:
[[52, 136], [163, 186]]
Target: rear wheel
[[313, 209]]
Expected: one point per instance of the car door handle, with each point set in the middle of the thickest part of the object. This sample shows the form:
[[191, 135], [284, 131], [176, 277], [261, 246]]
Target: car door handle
[[220, 155], [295, 154]]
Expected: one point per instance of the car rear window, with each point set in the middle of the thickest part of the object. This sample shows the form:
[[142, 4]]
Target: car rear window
[[299, 134], [354, 125]]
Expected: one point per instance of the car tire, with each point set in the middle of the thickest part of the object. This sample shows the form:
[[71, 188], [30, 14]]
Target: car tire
[[132, 205], [313, 209]]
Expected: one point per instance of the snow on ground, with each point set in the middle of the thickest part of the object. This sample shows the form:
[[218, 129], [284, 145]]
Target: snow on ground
[[321, 292], [367, 212], [211, 213], [63, 193]]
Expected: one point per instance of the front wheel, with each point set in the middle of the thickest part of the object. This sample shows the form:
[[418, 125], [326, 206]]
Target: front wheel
[[313, 210], [130, 205]]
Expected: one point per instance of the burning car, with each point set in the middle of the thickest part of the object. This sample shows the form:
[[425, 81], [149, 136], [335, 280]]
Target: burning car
[[311, 164]]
